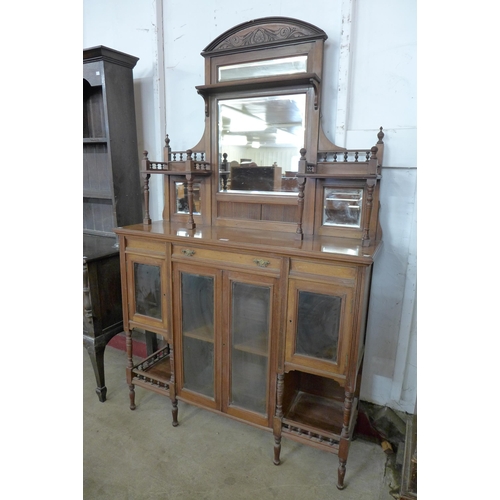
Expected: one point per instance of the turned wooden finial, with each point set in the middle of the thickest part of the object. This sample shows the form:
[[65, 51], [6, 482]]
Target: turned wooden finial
[[167, 141], [145, 153], [380, 136], [189, 153], [303, 152], [374, 150]]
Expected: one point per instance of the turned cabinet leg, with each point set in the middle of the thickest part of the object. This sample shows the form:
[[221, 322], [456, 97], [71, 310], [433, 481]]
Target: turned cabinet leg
[[175, 410], [278, 418], [131, 395], [341, 474], [344, 440], [130, 365], [173, 396], [277, 450]]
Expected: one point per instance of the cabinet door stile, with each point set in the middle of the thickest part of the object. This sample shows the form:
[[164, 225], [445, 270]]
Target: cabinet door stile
[[225, 342], [359, 318], [279, 337], [167, 282], [125, 280]]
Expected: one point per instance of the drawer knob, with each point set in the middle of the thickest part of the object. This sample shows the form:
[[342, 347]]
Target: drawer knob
[[261, 262], [189, 253]]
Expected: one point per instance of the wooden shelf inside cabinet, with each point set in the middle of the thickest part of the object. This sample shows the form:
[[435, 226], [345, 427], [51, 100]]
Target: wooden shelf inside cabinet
[[315, 414], [98, 195], [257, 346], [94, 140], [199, 334], [154, 372]]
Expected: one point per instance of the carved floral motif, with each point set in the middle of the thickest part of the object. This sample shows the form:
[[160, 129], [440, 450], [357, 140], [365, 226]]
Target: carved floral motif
[[260, 35]]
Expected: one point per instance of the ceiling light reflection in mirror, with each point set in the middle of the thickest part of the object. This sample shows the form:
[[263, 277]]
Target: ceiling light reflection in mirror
[[265, 132]]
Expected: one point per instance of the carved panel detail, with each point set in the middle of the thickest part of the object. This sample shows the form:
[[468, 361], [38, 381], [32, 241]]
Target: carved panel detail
[[261, 35]]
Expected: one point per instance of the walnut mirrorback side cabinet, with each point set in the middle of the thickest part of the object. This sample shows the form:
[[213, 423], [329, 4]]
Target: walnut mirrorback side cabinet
[[258, 275], [111, 193]]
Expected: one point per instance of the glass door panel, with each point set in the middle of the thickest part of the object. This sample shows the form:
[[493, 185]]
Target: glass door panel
[[250, 326], [197, 304], [147, 302], [147, 290], [318, 325]]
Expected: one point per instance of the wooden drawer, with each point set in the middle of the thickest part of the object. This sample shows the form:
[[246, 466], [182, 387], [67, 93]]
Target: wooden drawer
[[248, 261], [326, 270], [145, 246]]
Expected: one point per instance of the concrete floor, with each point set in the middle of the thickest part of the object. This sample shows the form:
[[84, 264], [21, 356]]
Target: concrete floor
[[134, 455]]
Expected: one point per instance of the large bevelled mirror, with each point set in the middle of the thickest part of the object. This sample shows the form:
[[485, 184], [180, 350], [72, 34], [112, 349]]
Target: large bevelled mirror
[[261, 137]]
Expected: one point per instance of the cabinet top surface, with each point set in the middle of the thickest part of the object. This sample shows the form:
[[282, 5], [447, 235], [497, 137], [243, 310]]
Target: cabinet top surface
[[97, 247], [231, 239], [102, 53]]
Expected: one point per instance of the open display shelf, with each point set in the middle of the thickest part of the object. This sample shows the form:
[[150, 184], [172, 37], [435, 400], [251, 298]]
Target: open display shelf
[[154, 372]]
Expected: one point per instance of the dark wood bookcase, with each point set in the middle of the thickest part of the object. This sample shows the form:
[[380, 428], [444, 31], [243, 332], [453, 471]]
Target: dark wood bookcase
[[111, 193]]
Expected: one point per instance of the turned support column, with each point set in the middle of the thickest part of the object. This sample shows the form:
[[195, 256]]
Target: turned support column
[[190, 179], [299, 235], [370, 186], [145, 167]]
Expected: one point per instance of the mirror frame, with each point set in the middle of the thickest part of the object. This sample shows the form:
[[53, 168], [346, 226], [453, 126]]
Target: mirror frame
[[261, 40]]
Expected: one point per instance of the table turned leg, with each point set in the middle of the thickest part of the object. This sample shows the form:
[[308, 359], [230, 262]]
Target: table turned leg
[[96, 355]]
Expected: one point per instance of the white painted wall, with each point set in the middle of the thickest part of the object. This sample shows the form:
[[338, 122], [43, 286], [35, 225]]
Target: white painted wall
[[130, 26], [369, 81]]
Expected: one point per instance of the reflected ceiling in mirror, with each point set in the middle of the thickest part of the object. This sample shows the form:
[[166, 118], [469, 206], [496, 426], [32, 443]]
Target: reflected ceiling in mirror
[[262, 137]]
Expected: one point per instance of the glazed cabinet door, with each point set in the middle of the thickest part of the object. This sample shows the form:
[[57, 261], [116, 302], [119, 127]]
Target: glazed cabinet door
[[223, 322], [250, 319], [196, 307], [146, 291], [319, 326]]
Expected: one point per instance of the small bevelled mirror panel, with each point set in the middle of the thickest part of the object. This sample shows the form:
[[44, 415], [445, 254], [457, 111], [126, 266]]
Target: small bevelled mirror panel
[[147, 290], [181, 198], [262, 69], [342, 207], [318, 325]]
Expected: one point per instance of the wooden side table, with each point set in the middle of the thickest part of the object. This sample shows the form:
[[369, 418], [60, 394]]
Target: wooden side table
[[102, 301]]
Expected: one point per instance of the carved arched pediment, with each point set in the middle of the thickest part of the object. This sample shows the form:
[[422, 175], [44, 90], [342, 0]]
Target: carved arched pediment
[[267, 31]]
